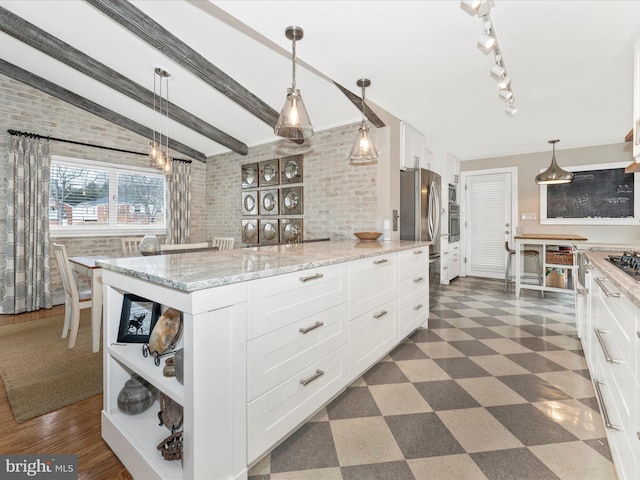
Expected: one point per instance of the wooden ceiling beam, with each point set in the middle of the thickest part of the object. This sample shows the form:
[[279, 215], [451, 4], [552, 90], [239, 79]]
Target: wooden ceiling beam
[[46, 43], [357, 101], [72, 98], [145, 28]]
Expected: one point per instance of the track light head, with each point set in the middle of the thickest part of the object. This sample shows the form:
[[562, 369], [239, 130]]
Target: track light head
[[497, 71]]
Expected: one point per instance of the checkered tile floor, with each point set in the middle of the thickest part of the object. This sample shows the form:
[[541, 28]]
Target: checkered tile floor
[[496, 388]]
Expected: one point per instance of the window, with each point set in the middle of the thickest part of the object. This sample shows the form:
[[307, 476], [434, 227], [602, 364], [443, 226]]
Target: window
[[95, 198]]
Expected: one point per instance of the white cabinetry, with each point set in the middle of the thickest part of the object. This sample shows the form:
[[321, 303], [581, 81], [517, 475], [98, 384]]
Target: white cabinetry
[[612, 360], [636, 100], [414, 291], [412, 147], [454, 260], [444, 260]]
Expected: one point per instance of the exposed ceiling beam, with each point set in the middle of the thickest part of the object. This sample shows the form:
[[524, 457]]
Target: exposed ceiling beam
[[65, 95], [144, 27], [28, 33], [357, 101]]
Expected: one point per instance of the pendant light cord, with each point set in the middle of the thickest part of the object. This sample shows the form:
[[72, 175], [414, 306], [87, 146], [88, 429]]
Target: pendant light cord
[[293, 65]]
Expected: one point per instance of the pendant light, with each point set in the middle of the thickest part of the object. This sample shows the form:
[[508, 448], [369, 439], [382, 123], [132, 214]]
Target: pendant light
[[159, 147], [554, 174], [364, 150], [293, 121]]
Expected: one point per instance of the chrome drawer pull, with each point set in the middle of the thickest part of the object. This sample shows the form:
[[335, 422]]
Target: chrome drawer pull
[[603, 407], [418, 307], [607, 357], [418, 280], [378, 262], [604, 289], [419, 252], [305, 330], [307, 381], [381, 314], [311, 277]]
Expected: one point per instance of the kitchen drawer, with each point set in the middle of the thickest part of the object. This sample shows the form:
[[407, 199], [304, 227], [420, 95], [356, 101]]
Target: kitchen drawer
[[275, 414], [276, 302], [372, 282], [371, 336], [414, 262], [412, 288], [412, 316], [274, 357]]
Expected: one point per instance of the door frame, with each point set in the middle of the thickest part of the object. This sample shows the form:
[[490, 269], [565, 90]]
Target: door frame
[[463, 207]]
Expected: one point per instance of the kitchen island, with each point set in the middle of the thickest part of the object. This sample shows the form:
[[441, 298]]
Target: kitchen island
[[270, 336]]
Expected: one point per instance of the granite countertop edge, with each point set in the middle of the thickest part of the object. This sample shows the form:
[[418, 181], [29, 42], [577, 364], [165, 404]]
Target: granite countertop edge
[[194, 271], [623, 282]]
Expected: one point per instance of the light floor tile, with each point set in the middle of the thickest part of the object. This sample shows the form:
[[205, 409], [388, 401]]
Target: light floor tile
[[575, 460], [359, 383], [569, 382], [563, 341], [504, 345], [321, 416], [364, 440], [449, 334], [439, 350], [317, 474], [563, 328], [450, 467], [477, 305], [498, 365], [469, 312], [398, 399], [422, 370], [565, 358], [584, 422], [489, 391], [510, 332], [477, 430], [263, 467]]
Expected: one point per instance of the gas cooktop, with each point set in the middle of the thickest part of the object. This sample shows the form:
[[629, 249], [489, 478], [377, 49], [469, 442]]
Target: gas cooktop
[[628, 262]]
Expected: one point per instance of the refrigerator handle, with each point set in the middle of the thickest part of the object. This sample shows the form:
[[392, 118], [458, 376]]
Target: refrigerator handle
[[431, 212]]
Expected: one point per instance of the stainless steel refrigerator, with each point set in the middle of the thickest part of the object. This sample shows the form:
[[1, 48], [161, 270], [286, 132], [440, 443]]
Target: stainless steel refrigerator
[[420, 213]]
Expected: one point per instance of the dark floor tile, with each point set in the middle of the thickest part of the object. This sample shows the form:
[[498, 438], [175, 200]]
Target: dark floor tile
[[539, 319], [258, 477], [534, 362], [536, 344], [422, 435], [445, 395], [384, 373], [517, 463], [439, 323], [472, 348], [481, 332], [449, 314], [489, 321], [530, 425], [600, 445], [591, 402], [461, 367], [538, 330], [378, 471], [579, 351], [407, 351], [423, 335], [498, 303], [532, 388], [584, 373], [354, 402], [493, 311], [309, 447]]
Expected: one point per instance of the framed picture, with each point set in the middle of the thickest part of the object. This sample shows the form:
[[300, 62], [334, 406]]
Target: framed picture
[[137, 319]]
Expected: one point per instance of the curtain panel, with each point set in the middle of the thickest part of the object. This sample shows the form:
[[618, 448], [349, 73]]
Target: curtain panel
[[27, 276], [179, 203]]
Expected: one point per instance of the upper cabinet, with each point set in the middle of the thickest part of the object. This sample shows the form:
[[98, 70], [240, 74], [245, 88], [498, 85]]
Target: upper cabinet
[[636, 100], [448, 167], [413, 147]]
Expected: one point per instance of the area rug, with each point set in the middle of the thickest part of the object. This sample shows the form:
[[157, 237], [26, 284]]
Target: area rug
[[40, 373]]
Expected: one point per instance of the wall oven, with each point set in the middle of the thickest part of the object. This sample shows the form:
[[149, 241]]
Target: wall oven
[[454, 222]]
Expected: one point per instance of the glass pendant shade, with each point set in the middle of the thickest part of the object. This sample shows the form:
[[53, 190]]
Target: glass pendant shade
[[294, 121], [364, 150], [554, 174]]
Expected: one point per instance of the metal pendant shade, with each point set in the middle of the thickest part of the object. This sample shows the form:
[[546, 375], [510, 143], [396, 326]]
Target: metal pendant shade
[[554, 174], [364, 151], [294, 121]]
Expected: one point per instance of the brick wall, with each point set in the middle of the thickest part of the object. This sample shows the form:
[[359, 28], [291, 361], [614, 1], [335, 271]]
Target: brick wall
[[26, 109]]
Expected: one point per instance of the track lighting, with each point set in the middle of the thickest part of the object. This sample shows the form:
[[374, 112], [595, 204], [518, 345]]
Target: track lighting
[[554, 174], [510, 110], [504, 82], [506, 94], [486, 43], [498, 71]]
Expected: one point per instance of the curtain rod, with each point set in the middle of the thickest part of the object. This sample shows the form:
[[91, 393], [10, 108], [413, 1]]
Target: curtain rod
[[113, 149]]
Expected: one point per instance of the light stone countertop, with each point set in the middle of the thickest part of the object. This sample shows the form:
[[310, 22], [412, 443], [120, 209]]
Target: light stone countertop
[[200, 270], [627, 285]]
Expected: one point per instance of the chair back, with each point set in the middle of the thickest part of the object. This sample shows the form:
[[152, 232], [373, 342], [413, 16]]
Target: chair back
[[66, 273], [223, 243], [507, 248], [130, 246], [182, 246]]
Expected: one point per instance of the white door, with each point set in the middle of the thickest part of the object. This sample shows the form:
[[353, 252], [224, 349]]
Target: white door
[[487, 214]]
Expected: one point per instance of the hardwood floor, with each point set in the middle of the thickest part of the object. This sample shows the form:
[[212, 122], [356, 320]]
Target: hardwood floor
[[71, 430]]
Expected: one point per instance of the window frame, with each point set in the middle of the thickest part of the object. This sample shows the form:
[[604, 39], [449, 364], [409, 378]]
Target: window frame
[[66, 231]]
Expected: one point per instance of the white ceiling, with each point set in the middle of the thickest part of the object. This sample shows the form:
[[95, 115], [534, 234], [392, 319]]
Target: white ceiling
[[571, 64]]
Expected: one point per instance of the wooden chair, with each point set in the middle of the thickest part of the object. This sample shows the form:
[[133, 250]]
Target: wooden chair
[[535, 254], [74, 300], [182, 246], [130, 246], [223, 243]]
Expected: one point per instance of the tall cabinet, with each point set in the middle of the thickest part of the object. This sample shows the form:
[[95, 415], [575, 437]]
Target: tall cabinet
[[413, 147], [636, 100]]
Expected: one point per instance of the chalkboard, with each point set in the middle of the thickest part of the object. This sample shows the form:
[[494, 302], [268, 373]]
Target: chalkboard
[[598, 194]]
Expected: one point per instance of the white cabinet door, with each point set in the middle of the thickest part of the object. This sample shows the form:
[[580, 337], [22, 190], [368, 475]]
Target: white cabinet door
[[636, 100], [444, 260], [453, 169], [413, 147], [454, 260]]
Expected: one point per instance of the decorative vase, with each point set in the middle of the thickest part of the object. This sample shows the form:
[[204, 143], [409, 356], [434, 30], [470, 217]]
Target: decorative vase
[[150, 245], [136, 396], [178, 363]]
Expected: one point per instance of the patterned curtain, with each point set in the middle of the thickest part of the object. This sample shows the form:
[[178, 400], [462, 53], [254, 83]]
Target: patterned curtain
[[179, 202], [27, 280]]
